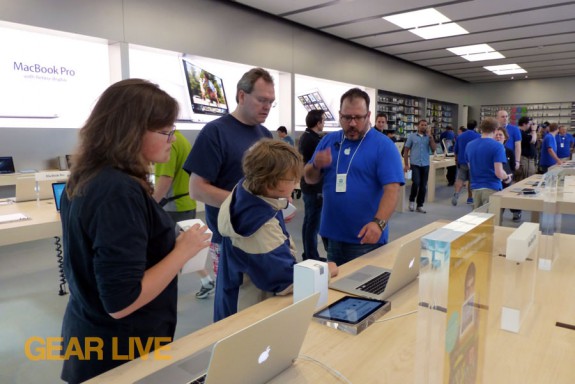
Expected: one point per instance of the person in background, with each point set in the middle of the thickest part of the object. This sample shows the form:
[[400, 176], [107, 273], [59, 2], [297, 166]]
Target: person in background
[[215, 161], [171, 191], [391, 134], [548, 155], [501, 136], [283, 135], [528, 151], [381, 122], [312, 196], [460, 130], [362, 174], [447, 141], [462, 167], [564, 144], [514, 141], [417, 149], [121, 253], [258, 253], [486, 157]]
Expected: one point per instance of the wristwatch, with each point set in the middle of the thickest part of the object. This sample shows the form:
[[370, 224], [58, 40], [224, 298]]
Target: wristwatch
[[381, 223]]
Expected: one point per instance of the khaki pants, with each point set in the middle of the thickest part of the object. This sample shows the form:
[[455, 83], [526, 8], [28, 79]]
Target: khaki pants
[[528, 167], [481, 196]]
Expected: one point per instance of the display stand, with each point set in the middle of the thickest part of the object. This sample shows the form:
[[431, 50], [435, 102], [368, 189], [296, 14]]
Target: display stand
[[550, 221], [453, 294], [519, 281]]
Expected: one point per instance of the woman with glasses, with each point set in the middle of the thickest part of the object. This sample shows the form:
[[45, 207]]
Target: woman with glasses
[[121, 254]]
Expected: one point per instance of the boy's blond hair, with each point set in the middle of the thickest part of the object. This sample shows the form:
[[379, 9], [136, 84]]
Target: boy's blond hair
[[267, 162]]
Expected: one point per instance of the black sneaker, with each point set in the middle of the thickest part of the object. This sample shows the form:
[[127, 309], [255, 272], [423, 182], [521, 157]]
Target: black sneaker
[[205, 291]]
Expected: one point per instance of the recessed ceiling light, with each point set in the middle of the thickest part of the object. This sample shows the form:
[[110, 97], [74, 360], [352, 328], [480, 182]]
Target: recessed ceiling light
[[429, 16], [471, 49], [506, 69], [476, 52], [437, 31]]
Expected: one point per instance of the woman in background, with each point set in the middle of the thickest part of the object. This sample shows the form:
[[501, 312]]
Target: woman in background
[[121, 255]]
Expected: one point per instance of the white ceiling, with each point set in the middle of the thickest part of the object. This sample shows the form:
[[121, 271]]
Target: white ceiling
[[538, 35]]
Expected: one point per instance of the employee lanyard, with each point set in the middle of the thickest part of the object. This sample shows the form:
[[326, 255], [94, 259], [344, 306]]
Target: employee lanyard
[[341, 179]]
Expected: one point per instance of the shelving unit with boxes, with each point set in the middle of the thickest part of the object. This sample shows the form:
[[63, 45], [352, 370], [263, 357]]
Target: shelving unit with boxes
[[443, 113], [561, 112], [403, 111]]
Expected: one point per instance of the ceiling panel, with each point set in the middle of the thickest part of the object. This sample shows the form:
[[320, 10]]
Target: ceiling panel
[[538, 35]]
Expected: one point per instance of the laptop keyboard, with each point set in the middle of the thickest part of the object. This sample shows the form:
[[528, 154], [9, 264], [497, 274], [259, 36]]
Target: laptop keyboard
[[376, 285], [199, 380]]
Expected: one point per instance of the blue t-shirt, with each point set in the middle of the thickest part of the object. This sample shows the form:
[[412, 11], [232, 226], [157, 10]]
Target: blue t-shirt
[[481, 155], [514, 136], [461, 143], [564, 145], [217, 157], [376, 162], [419, 149], [548, 142]]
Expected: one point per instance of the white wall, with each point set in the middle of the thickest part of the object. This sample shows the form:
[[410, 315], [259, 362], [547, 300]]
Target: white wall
[[226, 31]]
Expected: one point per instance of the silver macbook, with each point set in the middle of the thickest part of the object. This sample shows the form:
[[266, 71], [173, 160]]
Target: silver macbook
[[255, 354], [380, 283]]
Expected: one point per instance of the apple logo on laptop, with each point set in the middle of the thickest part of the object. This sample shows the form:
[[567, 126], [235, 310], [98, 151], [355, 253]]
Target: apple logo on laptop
[[411, 263], [264, 355]]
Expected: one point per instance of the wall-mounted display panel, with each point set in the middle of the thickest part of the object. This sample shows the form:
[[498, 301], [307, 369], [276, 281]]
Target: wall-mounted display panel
[[321, 94], [49, 79], [205, 88]]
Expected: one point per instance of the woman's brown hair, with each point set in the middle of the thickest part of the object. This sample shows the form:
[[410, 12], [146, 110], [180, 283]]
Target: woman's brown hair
[[113, 134]]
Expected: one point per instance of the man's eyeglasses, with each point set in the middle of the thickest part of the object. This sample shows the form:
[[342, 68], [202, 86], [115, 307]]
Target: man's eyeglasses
[[169, 134], [349, 118], [262, 100]]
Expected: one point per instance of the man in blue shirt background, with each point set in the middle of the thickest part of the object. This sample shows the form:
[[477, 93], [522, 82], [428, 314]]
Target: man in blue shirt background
[[564, 144], [417, 150]]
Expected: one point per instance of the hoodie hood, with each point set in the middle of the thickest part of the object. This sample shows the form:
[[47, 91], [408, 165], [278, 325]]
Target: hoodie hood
[[243, 213]]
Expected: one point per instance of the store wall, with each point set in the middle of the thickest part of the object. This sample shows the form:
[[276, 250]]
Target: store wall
[[217, 30]]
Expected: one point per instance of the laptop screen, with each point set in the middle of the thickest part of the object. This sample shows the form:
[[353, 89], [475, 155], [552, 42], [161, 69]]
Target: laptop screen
[[58, 189], [6, 165]]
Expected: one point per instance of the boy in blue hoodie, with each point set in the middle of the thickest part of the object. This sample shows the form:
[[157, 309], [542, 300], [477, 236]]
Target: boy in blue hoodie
[[258, 253]]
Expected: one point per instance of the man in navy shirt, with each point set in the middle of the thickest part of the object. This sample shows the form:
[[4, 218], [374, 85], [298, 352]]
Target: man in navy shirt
[[215, 162]]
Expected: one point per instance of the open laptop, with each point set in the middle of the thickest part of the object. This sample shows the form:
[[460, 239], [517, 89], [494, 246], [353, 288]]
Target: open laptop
[[57, 190], [6, 165], [255, 354], [448, 145], [380, 283]]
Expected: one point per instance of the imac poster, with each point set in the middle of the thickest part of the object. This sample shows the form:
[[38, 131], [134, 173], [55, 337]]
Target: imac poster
[[49, 79], [204, 88]]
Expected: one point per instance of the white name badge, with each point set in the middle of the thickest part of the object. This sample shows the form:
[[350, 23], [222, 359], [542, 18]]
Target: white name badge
[[340, 182], [562, 145]]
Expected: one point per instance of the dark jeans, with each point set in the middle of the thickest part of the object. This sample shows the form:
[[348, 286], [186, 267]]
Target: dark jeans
[[312, 206], [419, 177], [340, 252]]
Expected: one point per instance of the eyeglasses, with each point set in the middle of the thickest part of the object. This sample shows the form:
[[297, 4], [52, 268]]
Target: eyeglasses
[[169, 134], [349, 118], [262, 100]]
